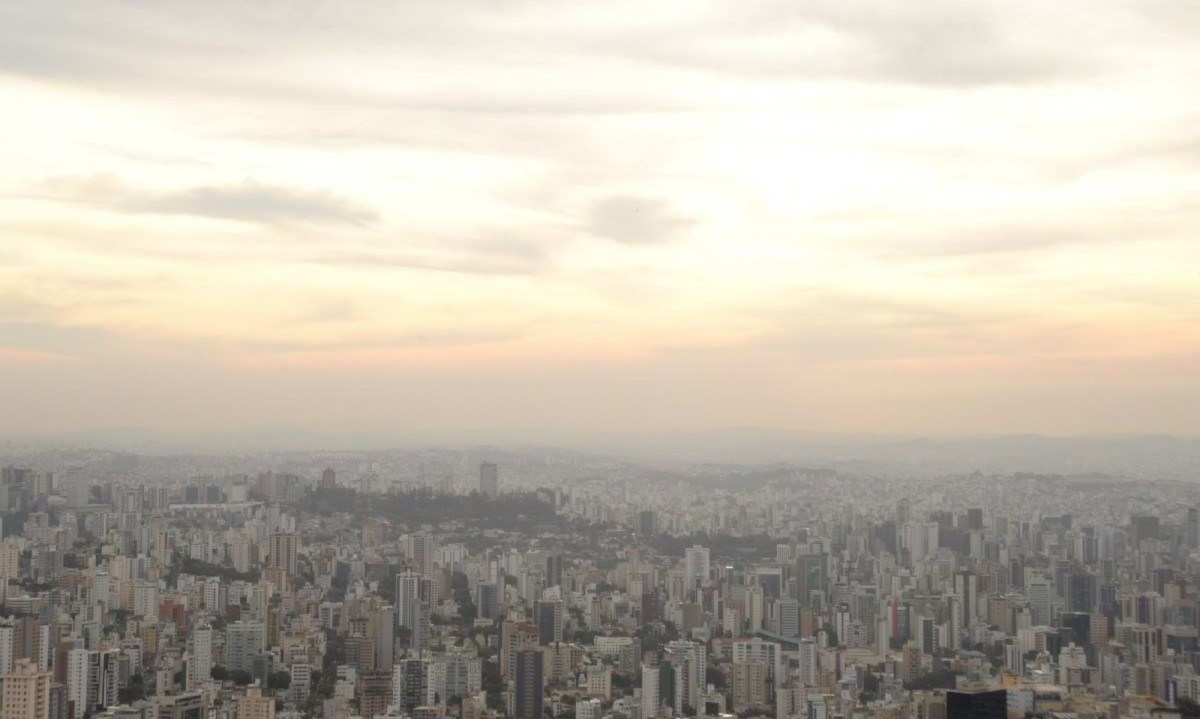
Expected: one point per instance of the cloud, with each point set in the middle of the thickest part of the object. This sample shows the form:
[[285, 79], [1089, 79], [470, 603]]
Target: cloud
[[247, 202], [635, 220], [484, 253]]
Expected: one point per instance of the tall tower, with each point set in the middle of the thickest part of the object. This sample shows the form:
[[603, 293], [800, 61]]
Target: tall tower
[[527, 702], [696, 559], [285, 546], [651, 694], [489, 479], [202, 659]]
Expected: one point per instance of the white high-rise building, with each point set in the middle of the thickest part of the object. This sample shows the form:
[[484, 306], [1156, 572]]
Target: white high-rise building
[[806, 655], [758, 650], [202, 658], [689, 659], [651, 694], [145, 600], [696, 567], [243, 640], [91, 680]]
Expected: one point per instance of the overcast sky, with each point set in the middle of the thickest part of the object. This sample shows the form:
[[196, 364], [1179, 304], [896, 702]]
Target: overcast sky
[[505, 216]]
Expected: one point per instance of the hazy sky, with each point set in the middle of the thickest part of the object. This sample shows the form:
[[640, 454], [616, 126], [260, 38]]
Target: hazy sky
[[889, 216]]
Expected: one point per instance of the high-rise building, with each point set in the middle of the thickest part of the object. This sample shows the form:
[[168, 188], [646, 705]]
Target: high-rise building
[[424, 551], [554, 570], [489, 479], [285, 547], [374, 693], [410, 681], [548, 615], [806, 655], [651, 695], [91, 680], [7, 640], [26, 692], [688, 660], [696, 560], [244, 639], [254, 705], [748, 682], [202, 658], [515, 637], [527, 685], [412, 607], [487, 600]]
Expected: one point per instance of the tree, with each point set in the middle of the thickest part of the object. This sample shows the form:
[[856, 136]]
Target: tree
[[241, 677], [219, 673], [279, 680], [135, 691]]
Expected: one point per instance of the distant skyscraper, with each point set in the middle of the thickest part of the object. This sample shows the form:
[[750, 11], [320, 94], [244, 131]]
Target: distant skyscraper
[[688, 660], [548, 615], [244, 639], [328, 479], [202, 658], [412, 609], [527, 689], [487, 598], [647, 523], [651, 694], [285, 547], [489, 479], [697, 566], [515, 637], [91, 680], [554, 569]]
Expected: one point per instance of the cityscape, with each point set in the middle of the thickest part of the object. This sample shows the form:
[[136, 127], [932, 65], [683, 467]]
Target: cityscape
[[635, 359], [436, 584]]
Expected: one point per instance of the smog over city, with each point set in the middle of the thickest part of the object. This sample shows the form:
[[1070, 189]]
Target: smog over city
[[400, 359]]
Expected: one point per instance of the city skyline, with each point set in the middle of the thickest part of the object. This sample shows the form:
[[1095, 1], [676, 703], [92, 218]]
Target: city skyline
[[512, 220]]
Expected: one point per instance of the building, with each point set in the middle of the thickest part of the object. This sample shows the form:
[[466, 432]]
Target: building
[[188, 705], [91, 680], [374, 693], [285, 548], [548, 615], [651, 696], [26, 692], [489, 479], [527, 685], [991, 704], [588, 709], [244, 639], [696, 569], [253, 705], [688, 659], [412, 606], [202, 658], [515, 637], [749, 684], [410, 683]]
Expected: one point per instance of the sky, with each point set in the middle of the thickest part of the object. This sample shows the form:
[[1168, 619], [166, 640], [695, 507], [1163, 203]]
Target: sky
[[533, 218]]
